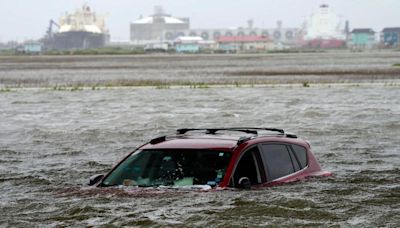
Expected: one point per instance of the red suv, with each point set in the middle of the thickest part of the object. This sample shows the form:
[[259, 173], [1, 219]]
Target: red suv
[[216, 157]]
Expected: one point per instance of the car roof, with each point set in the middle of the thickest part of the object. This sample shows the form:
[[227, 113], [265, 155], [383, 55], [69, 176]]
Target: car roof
[[216, 141]]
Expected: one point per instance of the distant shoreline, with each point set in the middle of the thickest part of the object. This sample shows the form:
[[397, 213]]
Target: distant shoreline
[[198, 71], [110, 51], [392, 84]]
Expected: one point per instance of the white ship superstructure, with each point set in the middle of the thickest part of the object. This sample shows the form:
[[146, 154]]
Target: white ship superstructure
[[325, 25], [83, 20], [79, 30]]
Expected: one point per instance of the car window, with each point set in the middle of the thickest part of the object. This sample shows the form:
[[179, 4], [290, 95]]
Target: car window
[[176, 167], [301, 154], [277, 160], [249, 167], [295, 161]]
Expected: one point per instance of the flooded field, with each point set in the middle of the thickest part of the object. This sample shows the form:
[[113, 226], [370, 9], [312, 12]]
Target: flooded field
[[52, 140], [342, 67]]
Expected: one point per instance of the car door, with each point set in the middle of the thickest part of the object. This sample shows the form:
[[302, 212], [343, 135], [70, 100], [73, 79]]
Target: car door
[[282, 160], [249, 165]]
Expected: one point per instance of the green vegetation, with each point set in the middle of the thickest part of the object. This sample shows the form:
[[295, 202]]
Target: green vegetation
[[69, 88], [7, 52], [295, 50], [163, 86], [191, 85], [200, 85], [306, 84], [396, 65], [3, 90]]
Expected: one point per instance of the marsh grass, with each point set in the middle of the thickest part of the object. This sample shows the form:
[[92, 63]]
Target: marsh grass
[[69, 88], [99, 51], [200, 85], [237, 84], [163, 86], [294, 51], [5, 90], [325, 72]]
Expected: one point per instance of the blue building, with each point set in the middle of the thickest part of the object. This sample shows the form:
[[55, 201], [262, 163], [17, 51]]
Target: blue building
[[187, 44], [30, 48], [362, 39], [390, 37]]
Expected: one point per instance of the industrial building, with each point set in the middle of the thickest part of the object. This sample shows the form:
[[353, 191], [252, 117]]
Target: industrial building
[[279, 34], [158, 27], [162, 27]]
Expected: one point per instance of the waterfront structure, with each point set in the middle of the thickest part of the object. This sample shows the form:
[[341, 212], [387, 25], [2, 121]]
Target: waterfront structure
[[158, 27], [362, 38], [324, 29], [31, 47], [162, 27], [79, 30], [244, 43], [390, 37], [188, 44], [279, 34]]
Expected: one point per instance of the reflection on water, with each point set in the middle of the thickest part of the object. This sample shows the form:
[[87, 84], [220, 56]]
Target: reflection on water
[[51, 142]]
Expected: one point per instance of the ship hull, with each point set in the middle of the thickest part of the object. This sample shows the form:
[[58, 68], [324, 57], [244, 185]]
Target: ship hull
[[325, 43], [79, 40]]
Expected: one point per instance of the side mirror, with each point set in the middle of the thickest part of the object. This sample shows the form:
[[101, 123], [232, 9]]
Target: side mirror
[[244, 183], [95, 178]]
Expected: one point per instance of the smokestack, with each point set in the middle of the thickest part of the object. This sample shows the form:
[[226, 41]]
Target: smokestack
[[279, 24], [347, 27], [158, 10], [347, 30], [250, 24]]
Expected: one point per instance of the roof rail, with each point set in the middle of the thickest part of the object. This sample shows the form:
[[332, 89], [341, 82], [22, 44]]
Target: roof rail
[[158, 139], [249, 130]]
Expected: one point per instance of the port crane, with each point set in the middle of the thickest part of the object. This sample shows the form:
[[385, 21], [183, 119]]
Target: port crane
[[49, 31]]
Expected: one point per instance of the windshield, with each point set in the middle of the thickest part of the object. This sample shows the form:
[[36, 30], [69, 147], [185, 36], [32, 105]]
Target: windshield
[[170, 168]]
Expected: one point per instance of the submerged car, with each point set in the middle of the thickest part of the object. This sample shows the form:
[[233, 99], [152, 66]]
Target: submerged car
[[216, 157]]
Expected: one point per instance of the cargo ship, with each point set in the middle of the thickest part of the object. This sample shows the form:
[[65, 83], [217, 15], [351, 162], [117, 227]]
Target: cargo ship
[[325, 29], [83, 29]]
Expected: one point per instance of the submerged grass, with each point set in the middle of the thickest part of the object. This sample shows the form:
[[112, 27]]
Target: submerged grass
[[200, 85], [99, 51], [5, 90], [164, 86], [167, 84], [325, 72], [306, 84], [70, 88]]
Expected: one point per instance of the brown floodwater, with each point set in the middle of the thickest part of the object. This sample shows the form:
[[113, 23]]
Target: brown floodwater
[[52, 140]]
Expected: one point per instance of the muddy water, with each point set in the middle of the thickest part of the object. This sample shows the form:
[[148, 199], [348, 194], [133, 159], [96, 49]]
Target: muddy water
[[52, 141]]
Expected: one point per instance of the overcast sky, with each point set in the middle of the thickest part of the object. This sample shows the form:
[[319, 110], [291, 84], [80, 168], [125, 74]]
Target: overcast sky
[[29, 19]]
